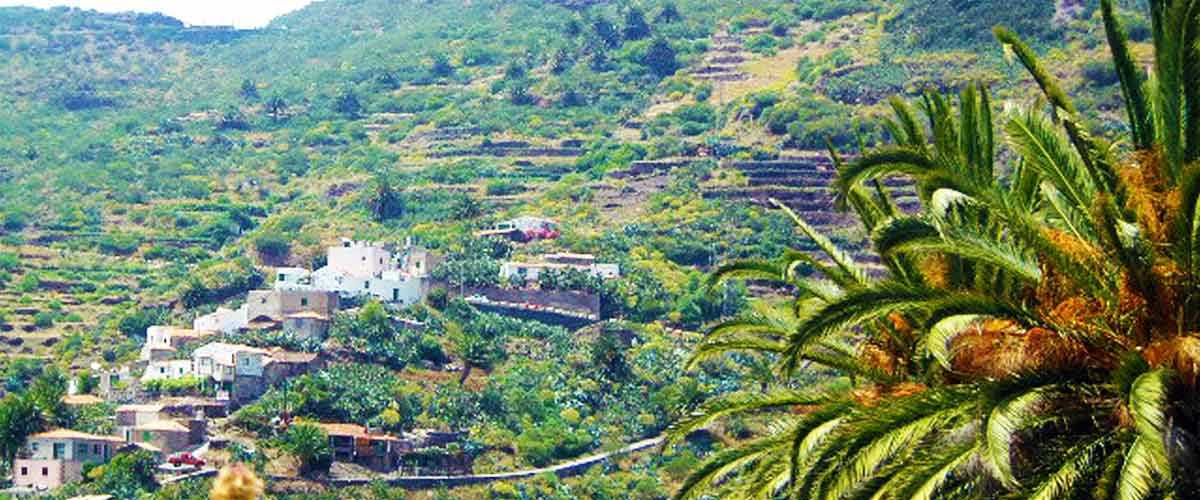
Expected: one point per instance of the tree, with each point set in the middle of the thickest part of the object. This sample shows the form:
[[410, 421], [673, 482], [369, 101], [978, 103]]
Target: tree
[[272, 246], [386, 203], [19, 417], [134, 324], [127, 475], [347, 104], [636, 27], [374, 323], [668, 14], [249, 90], [309, 444], [661, 58], [1023, 308], [439, 66], [477, 344], [276, 107], [606, 32]]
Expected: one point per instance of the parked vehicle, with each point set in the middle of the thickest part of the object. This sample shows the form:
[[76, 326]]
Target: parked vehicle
[[187, 459]]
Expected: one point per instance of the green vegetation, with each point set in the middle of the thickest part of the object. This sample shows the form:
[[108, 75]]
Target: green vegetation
[[1021, 309], [151, 173]]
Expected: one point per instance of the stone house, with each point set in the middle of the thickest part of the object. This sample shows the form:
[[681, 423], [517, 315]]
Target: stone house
[[307, 325], [357, 444], [129, 416], [52, 459], [277, 305], [281, 365], [169, 435]]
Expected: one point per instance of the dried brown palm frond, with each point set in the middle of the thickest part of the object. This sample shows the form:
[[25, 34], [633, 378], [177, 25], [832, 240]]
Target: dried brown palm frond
[[1180, 354]]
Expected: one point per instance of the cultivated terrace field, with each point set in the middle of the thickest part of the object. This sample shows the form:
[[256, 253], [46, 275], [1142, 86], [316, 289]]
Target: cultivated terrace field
[[152, 172]]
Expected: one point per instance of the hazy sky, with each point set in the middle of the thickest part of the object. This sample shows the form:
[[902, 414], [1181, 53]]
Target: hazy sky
[[240, 13]]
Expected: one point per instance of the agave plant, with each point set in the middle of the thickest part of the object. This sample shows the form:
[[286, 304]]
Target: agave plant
[[1035, 335]]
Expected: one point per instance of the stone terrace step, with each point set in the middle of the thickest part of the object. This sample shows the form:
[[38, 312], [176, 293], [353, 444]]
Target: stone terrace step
[[723, 77], [508, 152]]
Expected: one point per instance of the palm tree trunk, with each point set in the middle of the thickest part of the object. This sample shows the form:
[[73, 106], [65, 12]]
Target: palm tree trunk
[[466, 372]]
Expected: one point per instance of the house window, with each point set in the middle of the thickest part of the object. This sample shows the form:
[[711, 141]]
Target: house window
[[304, 302], [45, 471], [96, 449], [33, 446], [395, 295], [81, 449], [282, 277], [366, 285], [24, 471], [262, 300], [59, 451]]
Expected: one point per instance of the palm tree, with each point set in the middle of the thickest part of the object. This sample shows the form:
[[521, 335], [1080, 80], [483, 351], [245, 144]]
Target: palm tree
[[1034, 336]]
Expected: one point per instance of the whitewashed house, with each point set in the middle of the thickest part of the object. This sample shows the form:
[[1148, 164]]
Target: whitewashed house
[[225, 362], [169, 369], [163, 341], [531, 271], [357, 268]]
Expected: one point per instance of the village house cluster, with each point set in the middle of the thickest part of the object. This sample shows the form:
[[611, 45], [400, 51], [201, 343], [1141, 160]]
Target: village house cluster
[[301, 303]]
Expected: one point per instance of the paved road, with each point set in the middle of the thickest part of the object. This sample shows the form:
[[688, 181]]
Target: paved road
[[565, 469]]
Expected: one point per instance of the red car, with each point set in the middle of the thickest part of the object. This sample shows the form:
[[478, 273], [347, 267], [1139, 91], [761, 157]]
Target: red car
[[186, 459]]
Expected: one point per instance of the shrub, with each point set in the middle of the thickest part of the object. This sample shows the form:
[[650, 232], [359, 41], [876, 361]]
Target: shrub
[[9, 262], [1099, 73], [44, 319], [272, 245]]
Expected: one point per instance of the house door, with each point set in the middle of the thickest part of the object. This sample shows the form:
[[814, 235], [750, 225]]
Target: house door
[[395, 295]]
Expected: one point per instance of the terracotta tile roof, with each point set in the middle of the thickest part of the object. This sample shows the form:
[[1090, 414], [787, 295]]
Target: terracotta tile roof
[[81, 400], [354, 431], [70, 434]]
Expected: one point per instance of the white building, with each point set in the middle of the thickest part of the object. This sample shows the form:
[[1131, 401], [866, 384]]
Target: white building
[[223, 320], [226, 362], [531, 271], [167, 370], [357, 268], [163, 341]]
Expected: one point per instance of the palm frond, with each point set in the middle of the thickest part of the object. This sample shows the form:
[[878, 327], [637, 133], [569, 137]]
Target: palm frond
[[1079, 463], [840, 258], [978, 248], [887, 160], [742, 403], [1147, 401], [757, 269], [1139, 477], [1047, 152], [893, 442], [942, 333], [715, 348], [1141, 123], [725, 462], [896, 232], [937, 481], [1006, 419]]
